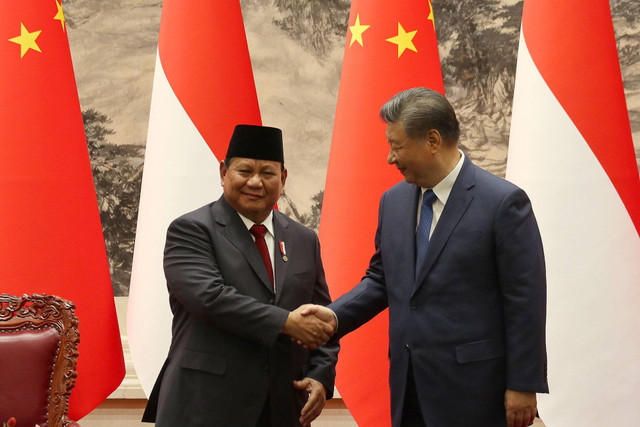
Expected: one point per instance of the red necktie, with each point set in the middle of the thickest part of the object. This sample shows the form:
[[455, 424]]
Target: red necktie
[[258, 231]]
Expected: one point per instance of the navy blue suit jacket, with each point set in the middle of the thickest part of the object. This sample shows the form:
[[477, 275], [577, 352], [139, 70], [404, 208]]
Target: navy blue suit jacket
[[472, 322]]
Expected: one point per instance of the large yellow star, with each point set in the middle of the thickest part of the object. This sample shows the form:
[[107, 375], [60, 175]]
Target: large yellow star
[[357, 30], [403, 40], [430, 17], [26, 40], [60, 15]]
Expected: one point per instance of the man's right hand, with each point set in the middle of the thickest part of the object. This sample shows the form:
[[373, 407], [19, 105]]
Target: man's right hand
[[323, 313], [308, 331]]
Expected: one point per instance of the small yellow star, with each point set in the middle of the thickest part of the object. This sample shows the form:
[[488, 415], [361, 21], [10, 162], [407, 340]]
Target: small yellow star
[[430, 17], [26, 40], [357, 30], [403, 40], [60, 15]]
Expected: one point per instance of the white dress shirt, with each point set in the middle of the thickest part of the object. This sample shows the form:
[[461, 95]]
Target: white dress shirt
[[442, 191]]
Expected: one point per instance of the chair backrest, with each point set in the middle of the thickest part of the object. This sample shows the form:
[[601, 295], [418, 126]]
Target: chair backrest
[[38, 355]]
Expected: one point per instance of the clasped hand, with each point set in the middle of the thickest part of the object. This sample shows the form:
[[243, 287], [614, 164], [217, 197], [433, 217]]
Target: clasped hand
[[310, 325]]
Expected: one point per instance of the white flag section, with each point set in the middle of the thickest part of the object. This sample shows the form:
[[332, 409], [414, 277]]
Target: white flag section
[[181, 173], [592, 250], [203, 87]]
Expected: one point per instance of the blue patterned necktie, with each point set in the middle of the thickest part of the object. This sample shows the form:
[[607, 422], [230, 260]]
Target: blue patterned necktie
[[424, 227]]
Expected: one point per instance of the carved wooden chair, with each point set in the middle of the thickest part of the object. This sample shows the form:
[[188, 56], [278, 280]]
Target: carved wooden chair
[[38, 355]]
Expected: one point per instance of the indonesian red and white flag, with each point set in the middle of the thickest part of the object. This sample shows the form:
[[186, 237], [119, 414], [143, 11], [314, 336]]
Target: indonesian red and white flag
[[571, 150], [390, 47], [50, 233], [203, 87]]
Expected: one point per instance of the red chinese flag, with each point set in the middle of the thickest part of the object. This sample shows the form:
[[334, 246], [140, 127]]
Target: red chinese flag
[[50, 234], [390, 47]]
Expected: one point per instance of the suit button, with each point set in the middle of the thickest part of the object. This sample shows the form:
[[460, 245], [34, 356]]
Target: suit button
[[413, 305], [407, 347], [272, 301]]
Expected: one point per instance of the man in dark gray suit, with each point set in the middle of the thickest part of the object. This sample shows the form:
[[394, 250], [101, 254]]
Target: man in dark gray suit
[[237, 270], [459, 264]]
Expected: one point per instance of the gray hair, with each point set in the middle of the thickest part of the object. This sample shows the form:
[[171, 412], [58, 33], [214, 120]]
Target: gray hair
[[419, 110]]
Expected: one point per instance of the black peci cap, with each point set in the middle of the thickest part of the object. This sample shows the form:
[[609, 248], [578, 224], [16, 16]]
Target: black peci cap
[[256, 142]]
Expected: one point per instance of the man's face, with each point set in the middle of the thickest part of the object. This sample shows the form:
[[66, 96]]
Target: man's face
[[252, 187], [412, 157]]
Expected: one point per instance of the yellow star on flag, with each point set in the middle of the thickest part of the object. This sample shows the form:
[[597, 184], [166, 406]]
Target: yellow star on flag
[[430, 17], [60, 15], [357, 30], [403, 40], [26, 40]]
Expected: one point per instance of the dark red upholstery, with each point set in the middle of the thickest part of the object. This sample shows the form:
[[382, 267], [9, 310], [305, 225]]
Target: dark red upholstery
[[27, 359], [39, 339]]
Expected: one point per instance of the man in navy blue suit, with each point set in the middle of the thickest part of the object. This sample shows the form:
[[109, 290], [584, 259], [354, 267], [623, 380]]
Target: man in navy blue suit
[[459, 263]]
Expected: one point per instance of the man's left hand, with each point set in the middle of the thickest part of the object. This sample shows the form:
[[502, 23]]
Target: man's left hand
[[520, 407], [316, 401]]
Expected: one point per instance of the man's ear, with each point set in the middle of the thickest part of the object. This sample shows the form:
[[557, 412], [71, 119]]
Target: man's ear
[[223, 171], [283, 180], [434, 139]]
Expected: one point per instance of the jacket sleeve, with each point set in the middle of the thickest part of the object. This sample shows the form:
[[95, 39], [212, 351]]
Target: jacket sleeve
[[522, 280], [322, 361], [195, 281], [369, 297]]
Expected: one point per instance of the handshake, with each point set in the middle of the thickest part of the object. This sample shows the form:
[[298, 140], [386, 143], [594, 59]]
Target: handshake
[[310, 325]]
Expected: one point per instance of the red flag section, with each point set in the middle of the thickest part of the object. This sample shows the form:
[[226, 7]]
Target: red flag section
[[390, 46], [584, 74], [204, 54], [50, 234]]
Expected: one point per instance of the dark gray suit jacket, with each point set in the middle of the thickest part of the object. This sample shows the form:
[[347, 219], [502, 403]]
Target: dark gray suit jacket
[[227, 353], [472, 322]]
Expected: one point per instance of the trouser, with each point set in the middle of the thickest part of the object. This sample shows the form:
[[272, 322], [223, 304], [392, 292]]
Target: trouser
[[265, 415], [411, 412]]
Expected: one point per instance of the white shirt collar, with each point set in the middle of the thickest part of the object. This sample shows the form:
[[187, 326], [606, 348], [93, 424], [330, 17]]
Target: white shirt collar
[[444, 187], [268, 222]]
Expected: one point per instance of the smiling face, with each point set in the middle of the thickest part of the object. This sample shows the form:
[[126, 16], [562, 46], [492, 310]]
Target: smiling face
[[414, 158], [252, 187]]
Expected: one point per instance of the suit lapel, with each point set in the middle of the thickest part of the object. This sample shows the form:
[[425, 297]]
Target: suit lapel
[[234, 230], [457, 204], [282, 236]]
